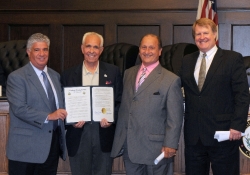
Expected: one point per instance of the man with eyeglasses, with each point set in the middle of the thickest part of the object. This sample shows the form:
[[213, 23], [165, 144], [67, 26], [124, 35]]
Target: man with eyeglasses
[[89, 143]]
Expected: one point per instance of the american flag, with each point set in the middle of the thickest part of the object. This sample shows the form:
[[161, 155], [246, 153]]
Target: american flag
[[208, 9]]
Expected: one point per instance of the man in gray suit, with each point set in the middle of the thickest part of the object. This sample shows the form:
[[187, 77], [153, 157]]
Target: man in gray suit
[[36, 135], [150, 115]]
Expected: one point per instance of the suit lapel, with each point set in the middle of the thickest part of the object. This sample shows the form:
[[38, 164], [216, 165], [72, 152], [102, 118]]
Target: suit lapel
[[103, 75], [150, 79], [36, 82], [132, 76], [57, 87], [192, 68], [213, 67], [77, 79]]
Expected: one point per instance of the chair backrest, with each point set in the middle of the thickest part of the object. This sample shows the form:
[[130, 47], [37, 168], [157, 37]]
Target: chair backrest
[[12, 56], [171, 55], [122, 55]]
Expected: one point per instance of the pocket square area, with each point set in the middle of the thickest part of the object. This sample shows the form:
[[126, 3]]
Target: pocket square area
[[156, 93], [108, 82]]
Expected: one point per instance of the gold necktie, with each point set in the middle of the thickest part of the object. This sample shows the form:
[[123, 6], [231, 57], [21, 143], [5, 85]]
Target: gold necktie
[[202, 73]]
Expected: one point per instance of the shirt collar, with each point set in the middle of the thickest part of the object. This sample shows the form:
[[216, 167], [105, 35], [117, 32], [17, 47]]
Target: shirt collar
[[210, 52], [150, 67], [86, 71], [38, 71]]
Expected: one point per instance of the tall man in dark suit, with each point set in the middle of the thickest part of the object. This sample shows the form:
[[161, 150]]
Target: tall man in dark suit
[[36, 135], [89, 143], [151, 113], [216, 98]]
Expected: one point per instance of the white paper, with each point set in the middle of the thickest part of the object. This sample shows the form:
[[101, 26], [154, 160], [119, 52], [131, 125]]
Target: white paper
[[159, 158], [103, 103], [77, 103], [223, 135]]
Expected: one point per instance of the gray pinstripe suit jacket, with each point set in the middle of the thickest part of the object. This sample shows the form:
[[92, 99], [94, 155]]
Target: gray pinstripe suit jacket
[[151, 117]]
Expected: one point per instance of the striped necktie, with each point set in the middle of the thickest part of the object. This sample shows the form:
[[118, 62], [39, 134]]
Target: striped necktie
[[202, 73], [142, 77]]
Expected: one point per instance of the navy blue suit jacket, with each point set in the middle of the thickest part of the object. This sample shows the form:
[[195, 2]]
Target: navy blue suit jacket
[[223, 101]]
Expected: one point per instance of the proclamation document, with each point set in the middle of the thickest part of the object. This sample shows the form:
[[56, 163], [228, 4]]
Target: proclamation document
[[77, 103], [103, 103]]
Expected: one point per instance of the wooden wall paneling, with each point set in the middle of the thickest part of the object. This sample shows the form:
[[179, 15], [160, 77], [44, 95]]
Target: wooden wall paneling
[[244, 165], [4, 128], [56, 58], [114, 5], [72, 40], [132, 34], [182, 34], [166, 33], [23, 31], [129, 4], [110, 33], [4, 32], [241, 39], [179, 162], [63, 167], [118, 166]]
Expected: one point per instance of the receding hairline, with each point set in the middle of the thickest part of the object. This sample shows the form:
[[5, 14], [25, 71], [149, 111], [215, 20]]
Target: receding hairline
[[95, 34], [155, 36]]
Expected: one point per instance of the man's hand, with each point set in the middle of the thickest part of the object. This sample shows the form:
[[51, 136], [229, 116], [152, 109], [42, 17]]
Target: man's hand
[[79, 124], [104, 123], [168, 152], [58, 114], [234, 135]]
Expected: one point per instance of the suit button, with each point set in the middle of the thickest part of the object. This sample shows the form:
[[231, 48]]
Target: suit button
[[49, 131]]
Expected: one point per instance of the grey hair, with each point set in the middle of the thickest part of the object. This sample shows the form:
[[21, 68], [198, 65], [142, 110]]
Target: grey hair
[[37, 37], [92, 33]]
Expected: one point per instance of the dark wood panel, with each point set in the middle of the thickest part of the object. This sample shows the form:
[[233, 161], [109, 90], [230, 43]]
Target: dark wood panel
[[23, 31], [114, 5], [4, 121], [72, 40], [132, 34], [183, 34]]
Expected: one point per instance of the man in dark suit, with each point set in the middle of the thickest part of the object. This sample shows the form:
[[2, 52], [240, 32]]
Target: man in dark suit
[[216, 99], [89, 143], [151, 113], [36, 135]]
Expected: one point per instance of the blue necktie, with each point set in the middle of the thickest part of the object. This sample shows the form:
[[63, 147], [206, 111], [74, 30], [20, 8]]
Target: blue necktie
[[51, 97]]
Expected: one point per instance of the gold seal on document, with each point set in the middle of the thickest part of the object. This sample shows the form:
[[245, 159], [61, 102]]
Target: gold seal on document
[[104, 110]]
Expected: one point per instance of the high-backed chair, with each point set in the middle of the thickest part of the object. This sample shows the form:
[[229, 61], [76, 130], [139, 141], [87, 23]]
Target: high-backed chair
[[122, 55], [12, 56], [171, 55]]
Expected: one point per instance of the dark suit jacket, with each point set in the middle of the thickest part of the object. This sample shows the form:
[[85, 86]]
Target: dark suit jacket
[[223, 101], [29, 138], [73, 77]]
